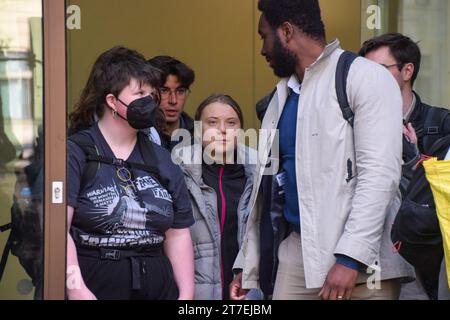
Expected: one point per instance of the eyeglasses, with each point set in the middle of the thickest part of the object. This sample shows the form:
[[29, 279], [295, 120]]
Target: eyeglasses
[[180, 93], [398, 65]]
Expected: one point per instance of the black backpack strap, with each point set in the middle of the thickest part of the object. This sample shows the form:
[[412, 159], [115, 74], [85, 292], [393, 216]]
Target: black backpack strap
[[440, 147], [149, 156], [93, 158], [143, 167], [433, 127], [5, 255], [6, 227], [263, 104], [434, 121], [342, 70]]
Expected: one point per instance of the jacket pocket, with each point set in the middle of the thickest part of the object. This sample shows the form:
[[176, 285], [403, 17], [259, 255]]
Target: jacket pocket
[[203, 250]]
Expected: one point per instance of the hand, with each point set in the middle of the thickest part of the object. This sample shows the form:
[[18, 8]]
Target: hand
[[410, 151], [339, 284], [236, 291], [81, 294], [410, 133], [185, 297]]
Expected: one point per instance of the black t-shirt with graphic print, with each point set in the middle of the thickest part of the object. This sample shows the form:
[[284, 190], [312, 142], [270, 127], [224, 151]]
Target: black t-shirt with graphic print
[[107, 211]]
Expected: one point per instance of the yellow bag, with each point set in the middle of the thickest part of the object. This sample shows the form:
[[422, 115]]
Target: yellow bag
[[438, 175]]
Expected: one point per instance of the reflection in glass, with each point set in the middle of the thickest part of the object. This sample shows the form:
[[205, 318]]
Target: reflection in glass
[[428, 23], [21, 149]]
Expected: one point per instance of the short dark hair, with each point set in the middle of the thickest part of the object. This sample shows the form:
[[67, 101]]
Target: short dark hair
[[222, 98], [402, 48], [305, 14], [111, 73], [171, 66]]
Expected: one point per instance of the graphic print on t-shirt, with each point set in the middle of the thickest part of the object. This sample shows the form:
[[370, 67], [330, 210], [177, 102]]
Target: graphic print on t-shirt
[[126, 207], [123, 207], [116, 216]]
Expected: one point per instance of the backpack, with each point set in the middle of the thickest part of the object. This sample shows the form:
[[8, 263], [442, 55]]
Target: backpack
[[416, 232], [94, 159], [25, 239], [433, 128]]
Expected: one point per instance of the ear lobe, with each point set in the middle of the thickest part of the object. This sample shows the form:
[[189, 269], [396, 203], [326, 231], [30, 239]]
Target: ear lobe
[[408, 71], [287, 30], [111, 101]]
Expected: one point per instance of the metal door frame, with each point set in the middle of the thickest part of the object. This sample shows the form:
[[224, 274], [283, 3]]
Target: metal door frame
[[55, 115]]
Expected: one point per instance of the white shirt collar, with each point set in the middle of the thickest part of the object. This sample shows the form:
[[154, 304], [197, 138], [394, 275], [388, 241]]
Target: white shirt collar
[[447, 157], [411, 109], [294, 84]]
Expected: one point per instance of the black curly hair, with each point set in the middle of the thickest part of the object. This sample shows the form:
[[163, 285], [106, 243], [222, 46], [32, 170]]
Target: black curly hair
[[305, 14]]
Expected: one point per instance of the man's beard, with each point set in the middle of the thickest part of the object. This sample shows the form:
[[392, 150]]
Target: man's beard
[[284, 61]]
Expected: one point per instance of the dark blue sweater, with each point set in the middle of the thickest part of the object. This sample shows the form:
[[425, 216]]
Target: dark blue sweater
[[288, 136], [288, 131]]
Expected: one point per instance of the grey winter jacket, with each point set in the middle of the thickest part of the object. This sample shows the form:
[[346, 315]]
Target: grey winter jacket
[[205, 232]]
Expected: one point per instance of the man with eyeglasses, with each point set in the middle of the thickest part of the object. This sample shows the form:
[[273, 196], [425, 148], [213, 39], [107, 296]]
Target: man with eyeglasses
[[402, 57], [177, 79], [424, 125]]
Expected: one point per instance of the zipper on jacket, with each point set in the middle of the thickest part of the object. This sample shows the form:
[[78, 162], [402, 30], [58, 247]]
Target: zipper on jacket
[[223, 210]]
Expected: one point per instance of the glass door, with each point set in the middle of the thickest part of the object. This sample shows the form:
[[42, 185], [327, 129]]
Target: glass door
[[21, 149], [428, 23], [28, 163]]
